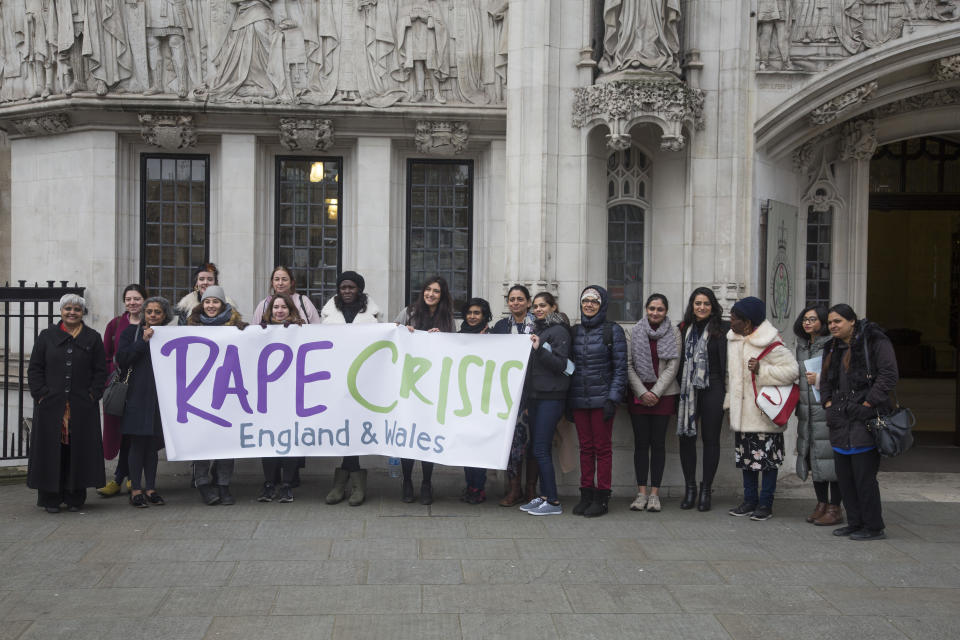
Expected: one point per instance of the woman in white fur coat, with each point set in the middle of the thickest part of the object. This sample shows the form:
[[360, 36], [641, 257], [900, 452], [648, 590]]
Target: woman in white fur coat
[[758, 441]]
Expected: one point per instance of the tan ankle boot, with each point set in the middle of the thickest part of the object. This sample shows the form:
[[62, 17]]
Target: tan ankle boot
[[831, 517], [514, 495], [817, 511]]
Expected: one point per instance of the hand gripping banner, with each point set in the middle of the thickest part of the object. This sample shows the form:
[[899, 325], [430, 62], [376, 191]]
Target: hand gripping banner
[[335, 390]]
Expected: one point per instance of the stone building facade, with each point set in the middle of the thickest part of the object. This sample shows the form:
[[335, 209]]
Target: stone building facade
[[649, 145]]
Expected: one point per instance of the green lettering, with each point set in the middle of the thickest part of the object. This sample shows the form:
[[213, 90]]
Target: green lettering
[[487, 386], [505, 387], [444, 391], [355, 369], [464, 392], [414, 368]]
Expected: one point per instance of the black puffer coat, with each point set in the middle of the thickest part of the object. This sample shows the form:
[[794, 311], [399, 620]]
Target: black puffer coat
[[546, 379], [64, 368], [601, 371], [845, 384], [140, 416]]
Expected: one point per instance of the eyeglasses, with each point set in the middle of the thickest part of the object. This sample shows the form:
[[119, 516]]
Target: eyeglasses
[[810, 320], [589, 301]]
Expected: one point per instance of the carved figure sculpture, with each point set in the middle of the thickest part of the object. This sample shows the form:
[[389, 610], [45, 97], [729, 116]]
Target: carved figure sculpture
[[167, 21], [24, 51], [381, 60], [473, 75], [311, 48], [499, 11], [249, 63], [641, 34], [106, 48], [64, 30], [773, 19], [829, 21], [423, 47]]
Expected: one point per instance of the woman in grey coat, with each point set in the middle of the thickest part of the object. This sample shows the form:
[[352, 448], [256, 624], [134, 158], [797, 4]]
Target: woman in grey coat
[[814, 453]]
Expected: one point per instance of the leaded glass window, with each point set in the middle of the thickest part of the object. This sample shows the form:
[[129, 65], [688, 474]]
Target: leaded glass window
[[819, 237], [440, 226], [628, 177], [309, 203], [174, 221]]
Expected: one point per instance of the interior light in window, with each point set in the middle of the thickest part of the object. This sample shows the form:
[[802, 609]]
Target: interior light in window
[[316, 172]]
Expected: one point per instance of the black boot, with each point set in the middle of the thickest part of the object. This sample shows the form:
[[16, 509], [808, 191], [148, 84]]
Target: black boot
[[690, 496], [705, 493], [599, 506], [586, 497]]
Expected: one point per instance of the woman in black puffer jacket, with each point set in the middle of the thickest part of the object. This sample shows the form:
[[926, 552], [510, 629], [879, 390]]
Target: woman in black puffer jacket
[[852, 392], [545, 394], [599, 352]]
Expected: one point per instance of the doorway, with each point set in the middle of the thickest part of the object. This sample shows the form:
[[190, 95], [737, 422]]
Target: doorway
[[913, 281]]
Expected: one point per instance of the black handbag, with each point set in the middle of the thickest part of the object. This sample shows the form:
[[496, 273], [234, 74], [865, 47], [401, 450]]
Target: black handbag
[[891, 433], [115, 395]]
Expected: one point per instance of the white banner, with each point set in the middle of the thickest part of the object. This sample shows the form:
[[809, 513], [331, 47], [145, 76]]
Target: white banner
[[335, 390]]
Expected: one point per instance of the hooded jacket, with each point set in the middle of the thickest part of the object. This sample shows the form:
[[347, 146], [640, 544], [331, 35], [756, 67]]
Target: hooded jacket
[[778, 367], [814, 453], [546, 379], [601, 371]]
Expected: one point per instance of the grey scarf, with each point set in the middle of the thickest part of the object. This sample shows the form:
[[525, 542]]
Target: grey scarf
[[696, 375], [640, 338]]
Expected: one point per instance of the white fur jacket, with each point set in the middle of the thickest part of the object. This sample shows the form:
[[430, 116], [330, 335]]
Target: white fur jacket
[[331, 315], [778, 367]]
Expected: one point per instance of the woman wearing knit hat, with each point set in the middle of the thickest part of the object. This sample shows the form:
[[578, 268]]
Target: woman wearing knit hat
[[350, 306], [758, 441], [281, 281], [204, 275]]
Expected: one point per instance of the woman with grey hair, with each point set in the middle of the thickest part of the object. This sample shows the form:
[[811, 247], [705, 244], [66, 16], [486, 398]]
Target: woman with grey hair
[[141, 416], [66, 375]]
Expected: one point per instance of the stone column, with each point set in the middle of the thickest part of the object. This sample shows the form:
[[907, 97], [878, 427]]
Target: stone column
[[64, 215], [368, 241], [4, 208], [233, 222]]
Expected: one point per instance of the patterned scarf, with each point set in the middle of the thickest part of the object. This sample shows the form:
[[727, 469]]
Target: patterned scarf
[[221, 318], [527, 326], [667, 348], [696, 375]]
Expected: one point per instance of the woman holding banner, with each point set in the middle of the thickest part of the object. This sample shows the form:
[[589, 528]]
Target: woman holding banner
[[279, 471], [546, 391], [476, 320], [282, 282], [141, 415], [519, 321], [204, 275], [214, 311], [350, 306], [431, 312]]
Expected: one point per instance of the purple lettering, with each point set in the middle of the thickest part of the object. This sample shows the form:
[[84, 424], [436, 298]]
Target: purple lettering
[[186, 391], [264, 377], [230, 370], [303, 378]]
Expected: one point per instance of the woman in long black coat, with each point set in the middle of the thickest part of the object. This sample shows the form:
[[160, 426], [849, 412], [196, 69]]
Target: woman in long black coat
[[66, 375]]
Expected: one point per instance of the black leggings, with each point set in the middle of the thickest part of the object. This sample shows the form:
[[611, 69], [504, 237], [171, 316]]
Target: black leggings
[[142, 458], [649, 435], [426, 469], [825, 489], [710, 410], [350, 463], [279, 469]]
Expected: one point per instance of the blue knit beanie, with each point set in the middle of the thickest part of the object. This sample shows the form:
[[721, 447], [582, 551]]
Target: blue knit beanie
[[751, 308]]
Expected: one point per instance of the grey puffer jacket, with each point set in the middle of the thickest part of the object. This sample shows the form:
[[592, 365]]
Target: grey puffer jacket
[[601, 371], [814, 453]]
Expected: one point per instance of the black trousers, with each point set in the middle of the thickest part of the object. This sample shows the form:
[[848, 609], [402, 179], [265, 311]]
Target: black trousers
[[426, 468], [279, 470], [828, 492], [72, 498], [857, 475], [710, 410], [142, 457], [649, 447]]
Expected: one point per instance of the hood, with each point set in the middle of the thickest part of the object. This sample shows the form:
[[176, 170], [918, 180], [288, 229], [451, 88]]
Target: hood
[[601, 316]]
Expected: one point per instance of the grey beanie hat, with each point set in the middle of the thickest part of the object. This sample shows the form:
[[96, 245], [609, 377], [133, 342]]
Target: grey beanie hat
[[214, 291]]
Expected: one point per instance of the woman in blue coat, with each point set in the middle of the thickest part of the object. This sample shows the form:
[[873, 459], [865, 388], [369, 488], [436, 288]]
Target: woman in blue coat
[[599, 353], [141, 415]]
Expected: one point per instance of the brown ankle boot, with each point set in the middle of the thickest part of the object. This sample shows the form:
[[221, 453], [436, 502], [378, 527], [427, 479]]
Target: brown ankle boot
[[514, 495], [831, 517], [817, 512], [533, 474]]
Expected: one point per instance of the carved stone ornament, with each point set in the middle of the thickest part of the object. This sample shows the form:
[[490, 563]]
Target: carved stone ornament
[[728, 293], [930, 100], [858, 139], [306, 134], [43, 124], [621, 104], [830, 110], [169, 131], [441, 137], [947, 68], [822, 193]]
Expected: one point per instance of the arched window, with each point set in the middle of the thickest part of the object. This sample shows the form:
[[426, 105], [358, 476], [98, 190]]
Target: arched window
[[628, 178]]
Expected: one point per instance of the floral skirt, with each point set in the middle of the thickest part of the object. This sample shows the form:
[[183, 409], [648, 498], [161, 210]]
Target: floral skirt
[[758, 451], [521, 441]]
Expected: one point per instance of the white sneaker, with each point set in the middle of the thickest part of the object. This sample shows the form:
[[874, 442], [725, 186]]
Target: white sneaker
[[546, 509], [653, 503], [533, 504], [639, 503]]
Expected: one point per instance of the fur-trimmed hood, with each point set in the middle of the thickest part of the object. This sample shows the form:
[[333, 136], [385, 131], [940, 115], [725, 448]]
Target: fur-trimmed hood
[[331, 315]]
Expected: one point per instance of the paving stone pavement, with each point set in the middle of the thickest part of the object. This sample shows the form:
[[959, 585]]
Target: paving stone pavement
[[385, 569]]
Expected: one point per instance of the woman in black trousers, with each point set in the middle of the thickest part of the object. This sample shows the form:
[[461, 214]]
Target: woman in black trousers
[[703, 374]]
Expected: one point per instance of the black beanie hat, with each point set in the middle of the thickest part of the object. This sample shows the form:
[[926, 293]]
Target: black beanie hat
[[352, 276], [752, 309]]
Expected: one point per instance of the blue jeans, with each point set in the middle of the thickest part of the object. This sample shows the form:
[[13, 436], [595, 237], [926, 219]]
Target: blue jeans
[[476, 478], [765, 499], [544, 416]]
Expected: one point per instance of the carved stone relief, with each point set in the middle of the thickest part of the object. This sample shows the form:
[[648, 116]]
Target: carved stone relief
[[372, 52], [802, 36], [44, 124], [169, 131], [441, 137], [830, 110], [946, 69], [622, 103], [858, 139], [641, 35], [306, 133]]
